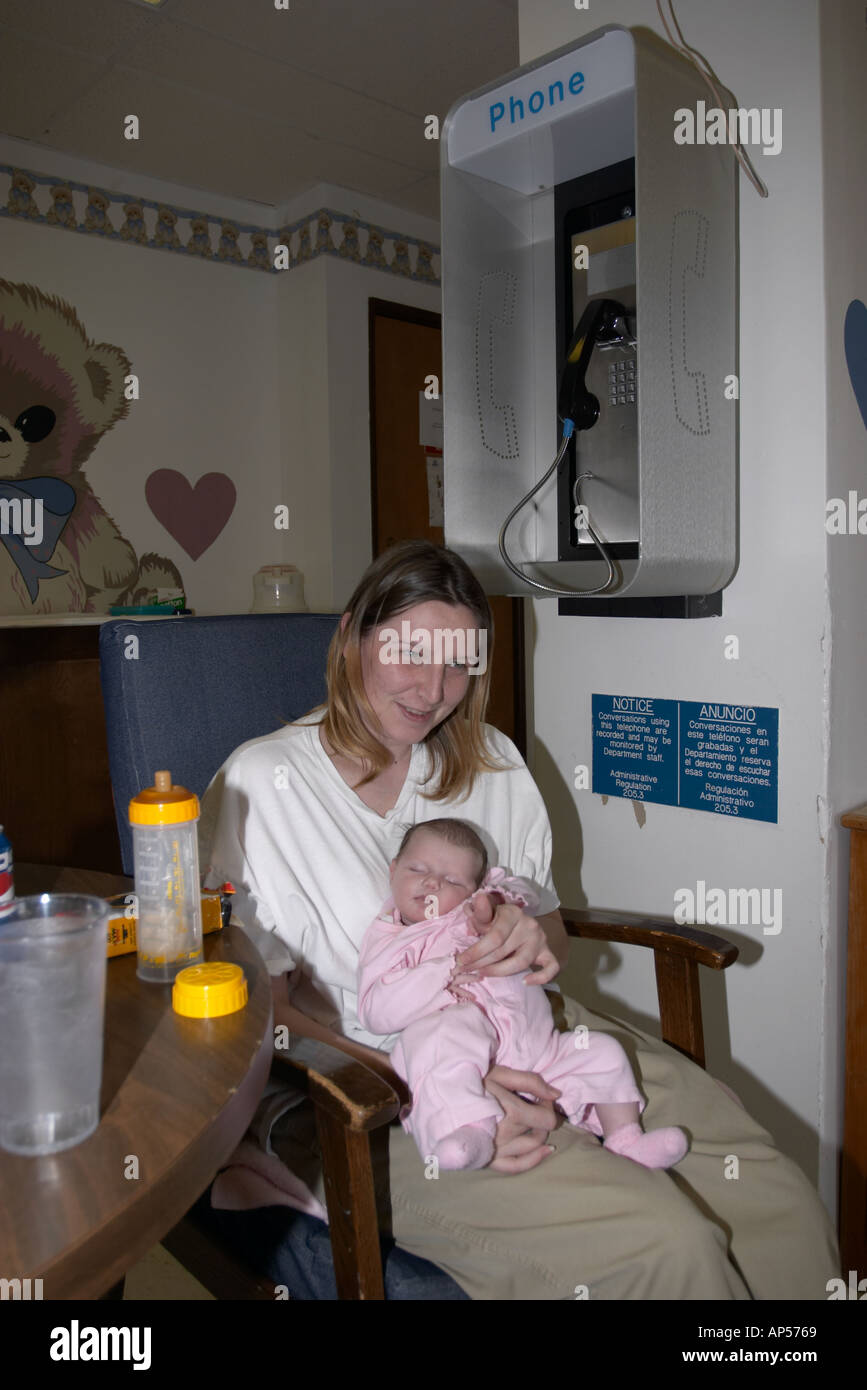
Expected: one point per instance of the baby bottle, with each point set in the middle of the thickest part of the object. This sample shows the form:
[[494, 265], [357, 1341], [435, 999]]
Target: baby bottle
[[166, 867]]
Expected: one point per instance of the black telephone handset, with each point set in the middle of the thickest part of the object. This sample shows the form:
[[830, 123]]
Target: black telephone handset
[[603, 319]]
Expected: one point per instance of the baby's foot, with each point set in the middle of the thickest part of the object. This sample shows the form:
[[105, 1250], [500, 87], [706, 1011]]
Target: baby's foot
[[471, 1146], [661, 1148]]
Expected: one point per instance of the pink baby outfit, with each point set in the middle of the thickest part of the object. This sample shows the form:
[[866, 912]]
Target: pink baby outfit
[[447, 1046]]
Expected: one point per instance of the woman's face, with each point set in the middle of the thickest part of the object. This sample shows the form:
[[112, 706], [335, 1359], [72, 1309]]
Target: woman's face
[[414, 684]]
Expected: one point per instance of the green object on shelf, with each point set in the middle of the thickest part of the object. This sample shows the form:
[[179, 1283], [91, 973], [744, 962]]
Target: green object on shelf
[[167, 610]]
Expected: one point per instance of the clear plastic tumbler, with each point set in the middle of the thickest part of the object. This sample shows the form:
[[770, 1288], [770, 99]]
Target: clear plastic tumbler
[[167, 888], [52, 1009]]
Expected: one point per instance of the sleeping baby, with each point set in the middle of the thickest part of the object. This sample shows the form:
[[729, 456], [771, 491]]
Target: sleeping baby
[[453, 1029]]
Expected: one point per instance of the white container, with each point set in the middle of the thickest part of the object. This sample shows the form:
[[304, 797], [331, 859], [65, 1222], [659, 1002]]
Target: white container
[[167, 888], [278, 589]]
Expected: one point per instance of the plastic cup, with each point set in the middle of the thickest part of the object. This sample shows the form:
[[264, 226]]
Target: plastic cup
[[52, 1010]]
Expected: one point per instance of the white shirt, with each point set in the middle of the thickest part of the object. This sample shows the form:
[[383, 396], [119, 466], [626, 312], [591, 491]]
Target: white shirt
[[309, 859]]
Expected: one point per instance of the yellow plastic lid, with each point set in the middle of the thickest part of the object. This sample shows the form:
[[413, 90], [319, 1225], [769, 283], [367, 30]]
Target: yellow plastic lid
[[210, 990], [163, 804]]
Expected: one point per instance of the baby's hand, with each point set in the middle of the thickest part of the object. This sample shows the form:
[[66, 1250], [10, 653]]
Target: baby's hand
[[494, 897], [460, 993], [510, 942], [458, 978]]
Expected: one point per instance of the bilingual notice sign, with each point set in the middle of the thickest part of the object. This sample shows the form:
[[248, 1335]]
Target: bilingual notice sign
[[700, 754]]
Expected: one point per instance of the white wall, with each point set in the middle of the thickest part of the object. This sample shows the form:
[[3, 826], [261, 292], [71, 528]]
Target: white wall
[[765, 1016], [305, 442], [845, 155]]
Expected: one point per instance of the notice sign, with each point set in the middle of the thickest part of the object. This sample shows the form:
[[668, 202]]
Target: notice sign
[[704, 755], [635, 748]]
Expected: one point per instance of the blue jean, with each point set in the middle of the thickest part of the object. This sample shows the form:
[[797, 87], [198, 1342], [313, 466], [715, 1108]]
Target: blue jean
[[289, 1247]]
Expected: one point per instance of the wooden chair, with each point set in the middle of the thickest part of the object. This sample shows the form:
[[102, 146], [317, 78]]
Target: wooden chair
[[230, 679], [350, 1101]]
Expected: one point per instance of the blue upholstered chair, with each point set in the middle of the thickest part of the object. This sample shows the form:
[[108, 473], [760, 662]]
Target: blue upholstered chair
[[182, 694]]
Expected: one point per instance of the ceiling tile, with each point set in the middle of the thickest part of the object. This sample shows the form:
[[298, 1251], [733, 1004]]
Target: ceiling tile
[[422, 53], [26, 107], [242, 99], [422, 197], [200, 142], [291, 98], [97, 28]]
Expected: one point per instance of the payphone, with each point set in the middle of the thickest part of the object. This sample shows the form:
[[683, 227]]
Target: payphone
[[589, 266]]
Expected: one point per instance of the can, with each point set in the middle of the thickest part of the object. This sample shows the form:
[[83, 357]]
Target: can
[[7, 886]]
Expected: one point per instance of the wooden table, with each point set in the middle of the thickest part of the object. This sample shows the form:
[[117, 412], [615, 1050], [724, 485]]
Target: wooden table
[[177, 1095]]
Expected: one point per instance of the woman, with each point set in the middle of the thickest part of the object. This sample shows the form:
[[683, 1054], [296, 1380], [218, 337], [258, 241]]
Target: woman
[[304, 823]]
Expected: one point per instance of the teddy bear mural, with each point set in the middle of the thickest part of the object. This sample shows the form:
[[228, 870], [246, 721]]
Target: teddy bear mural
[[60, 551]]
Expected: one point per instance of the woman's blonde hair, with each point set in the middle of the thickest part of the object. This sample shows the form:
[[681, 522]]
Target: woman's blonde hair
[[410, 573]]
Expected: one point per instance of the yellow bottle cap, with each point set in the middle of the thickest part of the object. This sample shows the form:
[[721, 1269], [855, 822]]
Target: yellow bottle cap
[[209, 991], [163, 803]]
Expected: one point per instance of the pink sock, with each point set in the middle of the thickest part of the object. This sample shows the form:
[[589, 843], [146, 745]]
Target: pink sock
[[471, 1146], [661, 1148]]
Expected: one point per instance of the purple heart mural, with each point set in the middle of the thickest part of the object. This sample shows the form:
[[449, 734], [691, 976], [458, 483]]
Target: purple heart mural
[[194, 516]]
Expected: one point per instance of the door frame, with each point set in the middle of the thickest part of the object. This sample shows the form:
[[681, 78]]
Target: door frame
[[386, 309]]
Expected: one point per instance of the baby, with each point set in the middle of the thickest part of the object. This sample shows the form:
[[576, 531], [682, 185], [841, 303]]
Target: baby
[[454, 1030]]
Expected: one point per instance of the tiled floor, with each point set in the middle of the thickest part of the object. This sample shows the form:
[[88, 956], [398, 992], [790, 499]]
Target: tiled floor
[[159, 1277]]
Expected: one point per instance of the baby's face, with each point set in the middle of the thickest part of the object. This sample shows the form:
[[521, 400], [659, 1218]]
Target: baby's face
[[431, 866]]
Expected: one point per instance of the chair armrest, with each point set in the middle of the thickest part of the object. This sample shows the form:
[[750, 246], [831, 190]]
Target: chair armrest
[[659, 933], [678, 951], [339, 1084]]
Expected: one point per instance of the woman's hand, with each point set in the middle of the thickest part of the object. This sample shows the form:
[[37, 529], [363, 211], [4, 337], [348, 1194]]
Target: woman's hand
[[510, 942], [521, 1139]]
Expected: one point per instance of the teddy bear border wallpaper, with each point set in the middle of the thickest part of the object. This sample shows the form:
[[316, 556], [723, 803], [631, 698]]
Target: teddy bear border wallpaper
[[82, 208]]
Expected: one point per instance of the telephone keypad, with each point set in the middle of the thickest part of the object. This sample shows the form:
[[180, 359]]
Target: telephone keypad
[[622, 382]]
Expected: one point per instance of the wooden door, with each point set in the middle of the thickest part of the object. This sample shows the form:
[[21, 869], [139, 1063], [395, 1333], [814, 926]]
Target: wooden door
[[405, 348]]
